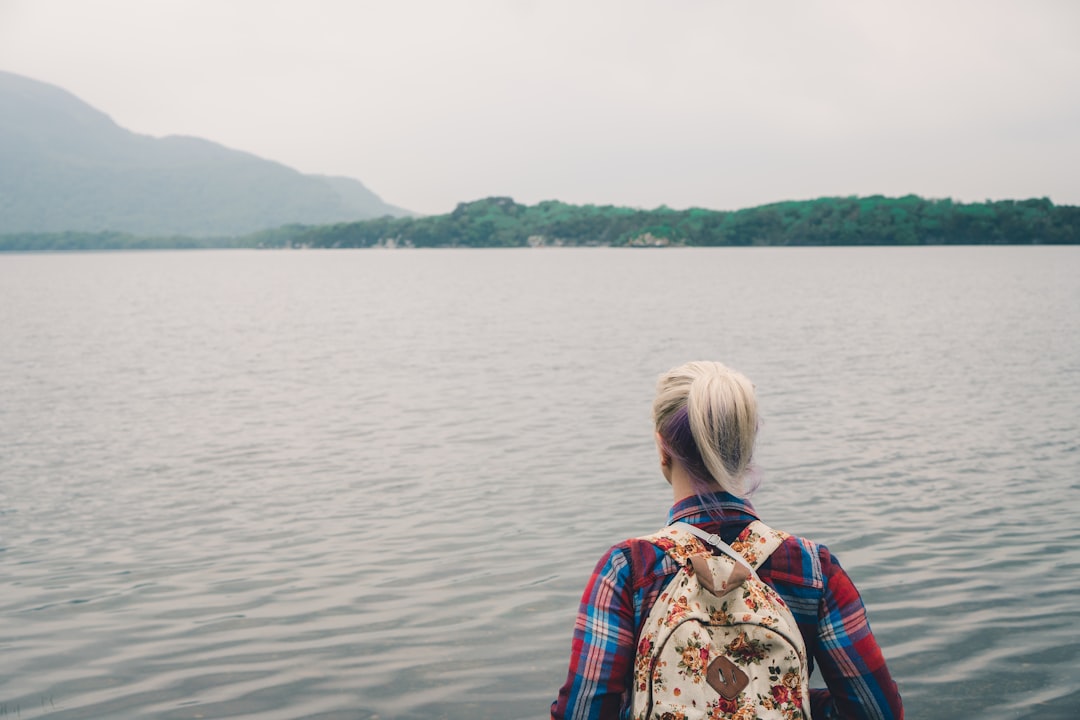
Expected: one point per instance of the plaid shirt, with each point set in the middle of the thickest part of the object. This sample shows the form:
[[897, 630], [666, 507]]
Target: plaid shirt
[[825, 603]]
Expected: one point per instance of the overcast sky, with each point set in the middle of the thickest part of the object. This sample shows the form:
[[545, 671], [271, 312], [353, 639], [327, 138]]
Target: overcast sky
[[711, 103]]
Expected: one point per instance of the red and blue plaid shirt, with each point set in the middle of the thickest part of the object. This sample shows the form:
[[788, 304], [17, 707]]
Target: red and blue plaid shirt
[[824, 601]]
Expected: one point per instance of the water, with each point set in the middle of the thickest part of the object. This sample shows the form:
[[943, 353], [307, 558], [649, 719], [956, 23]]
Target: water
[[358, 484]]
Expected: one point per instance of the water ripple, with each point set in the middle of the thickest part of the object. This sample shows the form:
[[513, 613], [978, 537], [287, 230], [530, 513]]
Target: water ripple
[[372, 484]]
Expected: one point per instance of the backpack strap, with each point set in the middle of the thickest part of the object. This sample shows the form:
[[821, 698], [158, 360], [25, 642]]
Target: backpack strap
[[717, 543], [752, 548], [758, 541]]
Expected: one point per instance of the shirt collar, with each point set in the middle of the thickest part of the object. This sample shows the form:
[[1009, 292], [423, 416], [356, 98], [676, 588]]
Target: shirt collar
[[713, 506]]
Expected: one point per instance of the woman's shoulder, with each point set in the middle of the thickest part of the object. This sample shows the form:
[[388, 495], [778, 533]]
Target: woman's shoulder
[[799, 561], [637, 561]]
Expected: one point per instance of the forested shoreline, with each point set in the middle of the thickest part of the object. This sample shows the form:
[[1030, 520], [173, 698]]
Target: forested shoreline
[[501, 222]]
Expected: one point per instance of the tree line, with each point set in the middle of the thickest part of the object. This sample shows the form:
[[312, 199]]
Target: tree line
[[501, 222]]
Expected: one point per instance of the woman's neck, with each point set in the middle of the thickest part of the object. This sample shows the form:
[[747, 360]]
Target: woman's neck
[[682, 485]]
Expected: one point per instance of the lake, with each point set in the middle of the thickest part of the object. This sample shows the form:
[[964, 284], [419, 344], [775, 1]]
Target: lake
[[372, 483]]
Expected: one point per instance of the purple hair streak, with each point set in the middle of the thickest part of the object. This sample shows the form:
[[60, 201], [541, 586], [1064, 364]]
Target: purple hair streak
[[678, 440]]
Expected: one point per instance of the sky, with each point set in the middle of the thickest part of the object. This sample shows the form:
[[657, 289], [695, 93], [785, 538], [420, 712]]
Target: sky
[[720, 104]]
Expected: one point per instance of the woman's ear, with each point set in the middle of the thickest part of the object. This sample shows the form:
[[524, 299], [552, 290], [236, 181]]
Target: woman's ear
[[665, 456]]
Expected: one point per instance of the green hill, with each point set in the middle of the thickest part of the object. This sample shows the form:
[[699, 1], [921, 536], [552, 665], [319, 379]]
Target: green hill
[[65, 166], [501, 222], [877, 220]]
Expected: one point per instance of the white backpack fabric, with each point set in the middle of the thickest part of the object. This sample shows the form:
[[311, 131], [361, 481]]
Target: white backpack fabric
[[719, 642]]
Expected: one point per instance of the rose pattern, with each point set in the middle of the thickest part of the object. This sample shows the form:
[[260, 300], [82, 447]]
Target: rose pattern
[[746, 650], [694, 659], [679, 607]]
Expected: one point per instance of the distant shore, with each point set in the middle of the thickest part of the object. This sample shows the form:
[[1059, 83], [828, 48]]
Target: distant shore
[[501, 222]]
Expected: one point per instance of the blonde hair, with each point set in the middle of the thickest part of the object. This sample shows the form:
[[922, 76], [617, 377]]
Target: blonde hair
[[706, 416]]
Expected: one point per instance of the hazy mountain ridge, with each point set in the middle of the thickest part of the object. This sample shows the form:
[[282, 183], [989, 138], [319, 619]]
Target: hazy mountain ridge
[[66, 166]]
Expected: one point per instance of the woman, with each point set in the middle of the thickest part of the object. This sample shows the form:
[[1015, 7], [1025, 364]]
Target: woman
[[706, 424]]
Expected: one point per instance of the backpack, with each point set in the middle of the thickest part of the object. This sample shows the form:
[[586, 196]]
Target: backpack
[[719, 642]]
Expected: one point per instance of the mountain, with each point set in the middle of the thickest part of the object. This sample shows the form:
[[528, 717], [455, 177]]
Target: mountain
[[66, 166]]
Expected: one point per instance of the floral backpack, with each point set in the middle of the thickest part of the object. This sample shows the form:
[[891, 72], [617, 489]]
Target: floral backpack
[[719, 642]]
